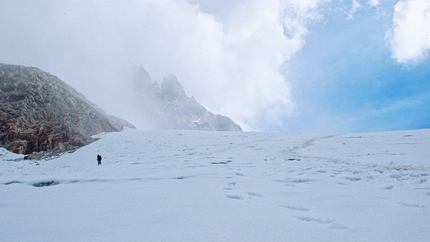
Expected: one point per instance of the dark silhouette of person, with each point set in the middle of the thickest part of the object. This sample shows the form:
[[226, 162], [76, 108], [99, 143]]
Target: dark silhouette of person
[[99, 159]]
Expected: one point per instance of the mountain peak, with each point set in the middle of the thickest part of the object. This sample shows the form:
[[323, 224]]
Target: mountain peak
[[143, 76], [172, 90], [170, 108]]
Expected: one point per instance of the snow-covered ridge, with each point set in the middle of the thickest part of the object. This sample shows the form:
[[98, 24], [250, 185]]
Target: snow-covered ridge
[[223, 186]]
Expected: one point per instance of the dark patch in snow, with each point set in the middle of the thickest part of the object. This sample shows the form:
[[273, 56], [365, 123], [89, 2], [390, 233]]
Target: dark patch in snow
[[221, 162], [341, 227], [297, 180], [354, 137], [379, 170], [254, 194], [11, 182], [353, 178], [412, 205], [310, 219], [237, 197], [303, 209], [45, 183]]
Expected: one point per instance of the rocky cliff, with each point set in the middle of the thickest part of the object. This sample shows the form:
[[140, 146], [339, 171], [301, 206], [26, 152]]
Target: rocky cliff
[[39, 112], [168, 107]]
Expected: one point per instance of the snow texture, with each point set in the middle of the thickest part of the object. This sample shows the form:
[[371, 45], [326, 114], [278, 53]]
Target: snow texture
[[222, 186]]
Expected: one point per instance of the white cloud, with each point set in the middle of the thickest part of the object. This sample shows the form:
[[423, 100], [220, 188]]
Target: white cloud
[[358, 6], [409, 38], [373, 3], [229, 58], [355, 7]]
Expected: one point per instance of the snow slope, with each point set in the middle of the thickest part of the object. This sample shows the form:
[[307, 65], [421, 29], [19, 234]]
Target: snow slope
[[223, 186]]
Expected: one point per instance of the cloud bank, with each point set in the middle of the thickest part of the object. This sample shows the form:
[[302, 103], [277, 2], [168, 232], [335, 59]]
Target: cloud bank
[[229, 58], [409, 38]]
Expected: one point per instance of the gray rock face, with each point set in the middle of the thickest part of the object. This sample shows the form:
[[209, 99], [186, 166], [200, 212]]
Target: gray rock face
[[39, 112], [168, 106]]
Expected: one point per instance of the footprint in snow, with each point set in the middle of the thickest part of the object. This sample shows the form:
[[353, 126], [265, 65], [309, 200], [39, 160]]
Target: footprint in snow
[[412, 205], [237, 197], [295, 180], [254, 194], [296, 208], [332, 224], [311, 219], [353, 178], [230, 186], [388, 187]]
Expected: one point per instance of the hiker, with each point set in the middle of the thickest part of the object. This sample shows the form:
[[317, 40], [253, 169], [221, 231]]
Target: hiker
[[99, 159]]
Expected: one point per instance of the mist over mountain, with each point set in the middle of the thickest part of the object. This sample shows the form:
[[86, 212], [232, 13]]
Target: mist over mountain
[[40, 112], [166, 106]]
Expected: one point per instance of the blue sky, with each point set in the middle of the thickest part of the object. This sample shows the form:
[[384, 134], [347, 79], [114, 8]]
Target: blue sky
[[346, 69], [275, 65], [353, 78]]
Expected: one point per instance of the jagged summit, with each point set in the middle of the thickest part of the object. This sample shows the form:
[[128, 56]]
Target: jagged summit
[[167, 106], [39, 112], [172, 90]]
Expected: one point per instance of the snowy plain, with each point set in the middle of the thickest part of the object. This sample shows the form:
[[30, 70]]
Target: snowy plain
[[223, 186]]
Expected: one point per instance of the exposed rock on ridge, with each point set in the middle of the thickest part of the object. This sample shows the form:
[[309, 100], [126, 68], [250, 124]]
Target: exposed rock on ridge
[[168, 106], [39, 112]]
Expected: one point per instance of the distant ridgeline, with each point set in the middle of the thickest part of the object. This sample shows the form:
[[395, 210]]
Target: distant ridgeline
[[168, 107], [39, 112]]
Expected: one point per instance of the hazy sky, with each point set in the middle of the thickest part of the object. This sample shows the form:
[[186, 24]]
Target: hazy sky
[[273, 65]]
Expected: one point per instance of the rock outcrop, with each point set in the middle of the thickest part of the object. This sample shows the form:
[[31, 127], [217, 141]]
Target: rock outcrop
[[39, 112], [168, 107]]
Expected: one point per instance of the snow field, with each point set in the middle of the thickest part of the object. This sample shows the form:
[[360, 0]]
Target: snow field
[[223, 186]]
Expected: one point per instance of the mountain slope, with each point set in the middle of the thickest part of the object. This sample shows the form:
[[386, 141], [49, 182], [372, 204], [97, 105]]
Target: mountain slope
[[39, 112]]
